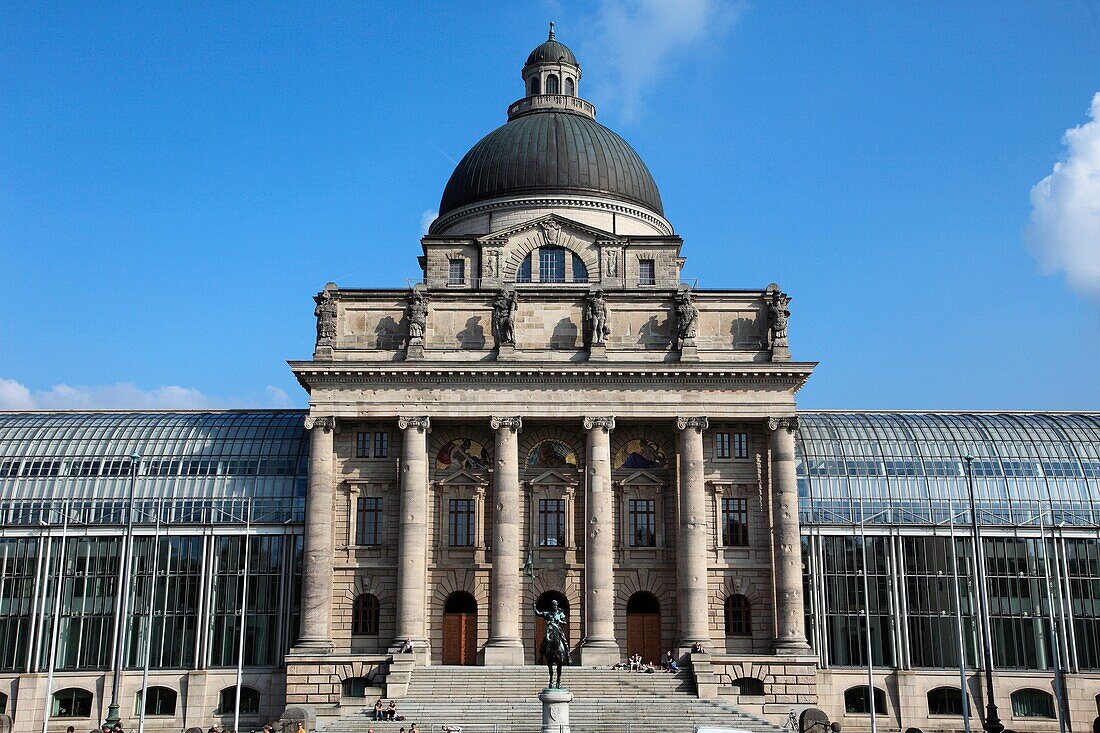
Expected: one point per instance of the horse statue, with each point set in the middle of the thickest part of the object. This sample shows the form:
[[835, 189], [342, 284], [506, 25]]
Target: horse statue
[[554, 649]]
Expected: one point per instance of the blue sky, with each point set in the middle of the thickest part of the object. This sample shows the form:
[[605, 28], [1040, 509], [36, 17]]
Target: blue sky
[[177, 180]]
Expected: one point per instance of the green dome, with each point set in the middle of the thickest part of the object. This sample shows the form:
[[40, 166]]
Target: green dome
[[552, 50], [551, 152]]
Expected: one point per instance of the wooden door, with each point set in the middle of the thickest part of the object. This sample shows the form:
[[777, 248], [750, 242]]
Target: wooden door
[[643, 636], [460, 638]]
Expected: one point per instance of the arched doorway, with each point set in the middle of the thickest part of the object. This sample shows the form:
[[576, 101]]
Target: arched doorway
[[460, 629], [643, 626], [543, 604]]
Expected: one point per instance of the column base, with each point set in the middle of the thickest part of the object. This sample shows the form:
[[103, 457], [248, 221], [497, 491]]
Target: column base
[[504, 653], [599, 653], [313, 646], [791, 647]]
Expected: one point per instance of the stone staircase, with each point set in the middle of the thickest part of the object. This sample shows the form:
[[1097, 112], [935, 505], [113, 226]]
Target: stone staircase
[[504, 699]]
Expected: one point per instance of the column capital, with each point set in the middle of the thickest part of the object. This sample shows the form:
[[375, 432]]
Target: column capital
[[327, 423], [698, 424], [515, 424], [605, 423], [421, 423], [790, 424]]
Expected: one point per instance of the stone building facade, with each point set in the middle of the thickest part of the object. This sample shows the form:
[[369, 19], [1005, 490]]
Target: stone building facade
[[569, 420]]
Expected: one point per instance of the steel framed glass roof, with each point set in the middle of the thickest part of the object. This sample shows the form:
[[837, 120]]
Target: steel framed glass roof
[[909, 467], [258, 456]]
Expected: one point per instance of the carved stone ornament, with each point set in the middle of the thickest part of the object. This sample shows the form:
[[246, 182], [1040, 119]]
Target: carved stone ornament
[[778, 313], [698, 424], [325, 312], [687, 320], [550, 231], [610, 262], [509, 423], [417, 313], [421, 423], [492, 263], [605, 423], [327, 423], [596, 325], [504, 317], [790, 424]]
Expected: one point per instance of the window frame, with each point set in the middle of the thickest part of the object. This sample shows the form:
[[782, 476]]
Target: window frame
[[140, 703], [366, 615], [363, 511], [455, 525], [452, 263], [558, 512], [645, 508], [647, 271], [737, 616], [738, 505]]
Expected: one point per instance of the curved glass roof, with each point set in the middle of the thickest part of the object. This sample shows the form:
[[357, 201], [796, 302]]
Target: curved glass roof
[[909, 468], [208, 457]]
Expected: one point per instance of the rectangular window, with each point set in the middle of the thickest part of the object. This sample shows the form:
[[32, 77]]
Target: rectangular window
[[456, 272], [643, 523], [735, 522], [381, 445], [362, 445], [461, 524], [740, 445], [551, 522], [552, 265], [721, 445], [647, 272], [368, 521]]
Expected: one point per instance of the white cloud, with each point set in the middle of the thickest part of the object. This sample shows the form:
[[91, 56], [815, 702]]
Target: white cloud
[[426, 218], [125, 396], [638, 41], [1064, 231]]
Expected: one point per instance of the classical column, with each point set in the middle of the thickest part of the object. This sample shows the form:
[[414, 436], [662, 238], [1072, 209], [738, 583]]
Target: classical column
[[316, 635], [599, 645], [505, 646], [412, 538], [790, 633], [691, 550]]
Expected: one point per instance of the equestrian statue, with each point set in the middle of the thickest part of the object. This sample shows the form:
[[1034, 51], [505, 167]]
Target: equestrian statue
[[554, 650]]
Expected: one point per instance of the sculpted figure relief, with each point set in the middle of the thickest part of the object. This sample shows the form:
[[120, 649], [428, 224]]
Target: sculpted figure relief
[[504, 318], [687, 320], [325, 312], [418, 317], [778, 313], [595, 319]]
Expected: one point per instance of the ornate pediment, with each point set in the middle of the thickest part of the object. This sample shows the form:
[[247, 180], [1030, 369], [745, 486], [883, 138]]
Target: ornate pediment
[[554, 478], [462, 478], [550, 229], [641, 478]]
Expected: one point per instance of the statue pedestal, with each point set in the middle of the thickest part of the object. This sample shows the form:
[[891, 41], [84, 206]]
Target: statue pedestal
[[689, 352], [555, 710], [414, 352], [506, 352], [597, 352]]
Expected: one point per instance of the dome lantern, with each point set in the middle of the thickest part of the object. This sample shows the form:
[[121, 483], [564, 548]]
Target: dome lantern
[[551, 69]]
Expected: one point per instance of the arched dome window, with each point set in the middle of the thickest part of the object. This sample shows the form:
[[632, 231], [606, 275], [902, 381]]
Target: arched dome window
[[552, 84], [534, 86], [523, 274], [551, 264], [580, 271], [570, 87]]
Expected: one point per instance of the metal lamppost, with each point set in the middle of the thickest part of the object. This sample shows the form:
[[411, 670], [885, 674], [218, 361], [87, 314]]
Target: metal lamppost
[[992, 722], [122, 602]]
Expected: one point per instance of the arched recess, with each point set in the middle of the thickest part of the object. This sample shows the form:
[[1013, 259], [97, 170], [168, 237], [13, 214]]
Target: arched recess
[[735, 585], [455, 436], [520, 247], [158, 701], [643, 626], [641, 448], [945, 701], [460, 629], [749, 686], [552, 84], [1032, 703], [529, 440], [543, 604], [855, 701]]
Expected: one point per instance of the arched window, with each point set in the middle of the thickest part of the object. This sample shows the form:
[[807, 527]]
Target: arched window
[[534, 85], [749, 686], [158, 701], [72, 702], [738, 616], [643, 602], [570, 86], [460, 602], [227, 701], [523, 274], [364, 621], [552, 84], [1032, 703], [551, 265], [855, 701], [355, 687], [945, 701], [580, 271]]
